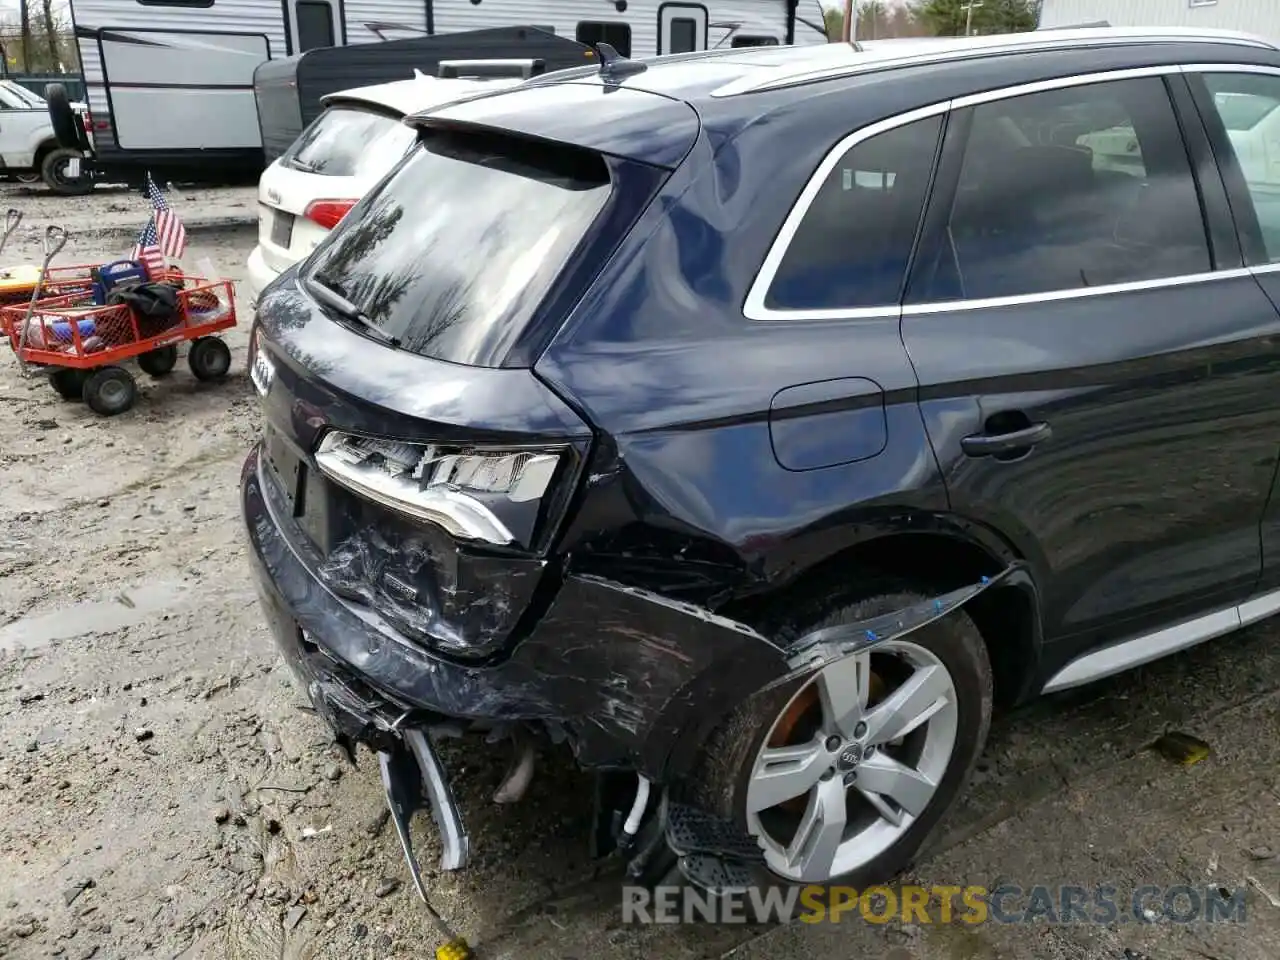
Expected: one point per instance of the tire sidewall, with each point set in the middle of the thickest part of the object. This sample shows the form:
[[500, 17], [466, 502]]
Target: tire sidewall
[[69, 383], [94, 382], [204, 352], [63, 187], [720, 782], [61, 116], [159, 362]]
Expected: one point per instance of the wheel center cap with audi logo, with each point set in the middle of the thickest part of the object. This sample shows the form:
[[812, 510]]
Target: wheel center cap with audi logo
[[849, 757]]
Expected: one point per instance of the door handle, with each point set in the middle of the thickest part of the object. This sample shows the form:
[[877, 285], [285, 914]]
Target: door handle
[[994, 444]]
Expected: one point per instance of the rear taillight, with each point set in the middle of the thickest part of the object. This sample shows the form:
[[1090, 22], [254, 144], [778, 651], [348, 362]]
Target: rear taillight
[[484, 496], [327, 213]]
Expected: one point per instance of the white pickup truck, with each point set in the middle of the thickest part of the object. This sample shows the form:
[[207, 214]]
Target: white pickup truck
[[29, 149]]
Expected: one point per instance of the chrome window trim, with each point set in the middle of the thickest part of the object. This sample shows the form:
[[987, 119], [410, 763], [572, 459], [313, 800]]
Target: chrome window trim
[[754, 308], [1053, 296], [1229, 68], [989, 46]]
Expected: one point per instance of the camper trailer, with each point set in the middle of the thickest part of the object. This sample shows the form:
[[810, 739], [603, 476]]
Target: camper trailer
[[1260, 17], [170, 82]]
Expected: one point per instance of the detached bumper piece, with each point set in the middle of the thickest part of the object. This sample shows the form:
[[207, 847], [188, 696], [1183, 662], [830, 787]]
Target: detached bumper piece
[[713, 854], [412, 776], [414, 780]]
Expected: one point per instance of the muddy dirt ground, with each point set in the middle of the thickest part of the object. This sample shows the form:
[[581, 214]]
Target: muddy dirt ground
[[163, 793]]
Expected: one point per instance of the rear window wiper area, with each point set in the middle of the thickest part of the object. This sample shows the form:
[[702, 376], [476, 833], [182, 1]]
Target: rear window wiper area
[[339, 304]]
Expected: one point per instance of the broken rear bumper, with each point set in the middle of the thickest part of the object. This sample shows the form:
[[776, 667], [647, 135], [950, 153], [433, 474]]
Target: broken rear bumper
[[634, 679]]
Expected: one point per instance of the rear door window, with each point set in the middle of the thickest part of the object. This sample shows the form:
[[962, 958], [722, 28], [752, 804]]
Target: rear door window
[[1069, 189], [851, 248], [350, 142], [452, 255]]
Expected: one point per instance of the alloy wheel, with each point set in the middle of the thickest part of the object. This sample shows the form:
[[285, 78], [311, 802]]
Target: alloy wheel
[[852, 761]]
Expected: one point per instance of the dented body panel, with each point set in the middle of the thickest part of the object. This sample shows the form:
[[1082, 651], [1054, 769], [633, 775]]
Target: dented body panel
[[626, 673], [615, 666]]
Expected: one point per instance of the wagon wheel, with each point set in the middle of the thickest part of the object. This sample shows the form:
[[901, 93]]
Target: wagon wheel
[[69, 383], [110, 390], [159, 362], [209, 358]]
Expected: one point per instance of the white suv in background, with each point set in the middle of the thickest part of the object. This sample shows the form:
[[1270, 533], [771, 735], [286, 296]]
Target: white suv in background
[[337, 159]]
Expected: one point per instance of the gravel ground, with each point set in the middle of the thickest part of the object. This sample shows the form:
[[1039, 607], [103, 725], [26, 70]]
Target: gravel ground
[[165, 794], [109, 212]]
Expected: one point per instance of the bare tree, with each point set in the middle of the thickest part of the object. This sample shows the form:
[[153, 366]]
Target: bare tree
[[51, 34], [25, 26]]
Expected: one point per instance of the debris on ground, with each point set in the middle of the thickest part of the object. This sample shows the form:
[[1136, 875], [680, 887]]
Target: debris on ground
[[1270, 895], [1181, 748], [72, 893]]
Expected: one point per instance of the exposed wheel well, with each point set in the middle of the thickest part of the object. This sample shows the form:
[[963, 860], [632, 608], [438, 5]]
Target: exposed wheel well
[[46, 147], [937, 563]]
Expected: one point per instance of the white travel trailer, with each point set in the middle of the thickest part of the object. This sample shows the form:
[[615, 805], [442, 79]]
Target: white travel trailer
[[1261, 17], [170, 82]]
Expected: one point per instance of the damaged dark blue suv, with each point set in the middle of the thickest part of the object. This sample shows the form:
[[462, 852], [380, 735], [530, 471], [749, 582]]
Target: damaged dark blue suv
[[753, 420]]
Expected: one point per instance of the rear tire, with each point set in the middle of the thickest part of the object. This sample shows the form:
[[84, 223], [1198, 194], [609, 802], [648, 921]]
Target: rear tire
[[69, 383], [110, 391], [730, 768], [158, 362], [53, 171], [209, 358]]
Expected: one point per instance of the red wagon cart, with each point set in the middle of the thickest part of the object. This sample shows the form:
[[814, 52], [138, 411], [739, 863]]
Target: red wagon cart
[[80, 342]]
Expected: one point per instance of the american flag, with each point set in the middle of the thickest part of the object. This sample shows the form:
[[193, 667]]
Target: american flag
[[165, 229], [147, 250]]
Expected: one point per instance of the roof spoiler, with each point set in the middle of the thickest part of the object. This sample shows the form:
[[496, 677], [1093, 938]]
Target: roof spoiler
[[524, 69], [1078, 26]]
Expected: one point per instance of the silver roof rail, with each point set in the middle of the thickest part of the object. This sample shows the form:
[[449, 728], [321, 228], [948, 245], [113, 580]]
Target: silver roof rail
[[904, 52]]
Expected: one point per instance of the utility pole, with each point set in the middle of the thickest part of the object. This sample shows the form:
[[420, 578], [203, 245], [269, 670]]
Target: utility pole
[[968, 16], [849, 32]]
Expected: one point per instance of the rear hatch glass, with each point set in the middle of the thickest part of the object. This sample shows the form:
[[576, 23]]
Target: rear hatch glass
[[349, 141], [450, 257]]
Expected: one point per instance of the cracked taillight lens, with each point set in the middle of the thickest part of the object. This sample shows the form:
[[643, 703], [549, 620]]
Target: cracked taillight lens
[[483, 496]]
